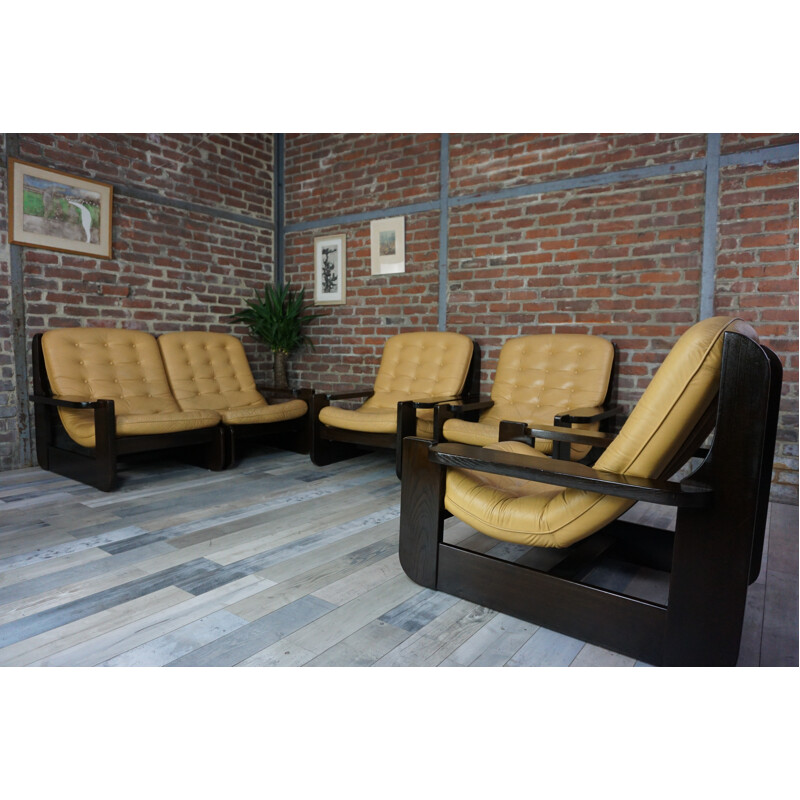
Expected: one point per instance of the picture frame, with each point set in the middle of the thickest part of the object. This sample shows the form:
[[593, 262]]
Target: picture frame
[[388, 245], [330, 270], [54, 210]]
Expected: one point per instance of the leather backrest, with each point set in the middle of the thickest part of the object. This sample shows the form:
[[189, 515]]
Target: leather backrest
[[681, 391], [108, 364], [541, 375], [208, 370], [421, 365]]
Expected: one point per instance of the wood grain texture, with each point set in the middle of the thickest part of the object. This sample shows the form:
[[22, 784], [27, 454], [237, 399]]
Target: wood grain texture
[[278, 562]]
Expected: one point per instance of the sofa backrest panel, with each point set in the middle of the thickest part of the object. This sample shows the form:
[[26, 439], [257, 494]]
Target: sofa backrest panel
[[108, 363], [208, 370]]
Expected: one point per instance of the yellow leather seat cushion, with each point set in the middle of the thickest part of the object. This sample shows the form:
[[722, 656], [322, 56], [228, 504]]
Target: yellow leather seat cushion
[[121, 365], [538, 377], [532, 513], [210, 371], [414, 366]]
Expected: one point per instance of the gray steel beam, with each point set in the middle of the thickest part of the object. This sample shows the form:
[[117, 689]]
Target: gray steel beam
[[362, 216], [216, 213], [444, 223], [279, 245], [19, 334], [582, 182], [710, 217]]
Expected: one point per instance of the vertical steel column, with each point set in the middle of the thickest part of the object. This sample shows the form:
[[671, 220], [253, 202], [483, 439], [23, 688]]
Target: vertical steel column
[[278, 180], [710, 217], [19, 332], [444, 222]]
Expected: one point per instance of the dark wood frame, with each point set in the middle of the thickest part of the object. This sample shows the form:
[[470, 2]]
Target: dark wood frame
[[290, 434], [712, 556], [97, 466], [606, 414], [329, 445]]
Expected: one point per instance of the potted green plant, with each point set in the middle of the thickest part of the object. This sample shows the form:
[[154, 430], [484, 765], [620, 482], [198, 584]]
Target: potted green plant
[[277, 318]]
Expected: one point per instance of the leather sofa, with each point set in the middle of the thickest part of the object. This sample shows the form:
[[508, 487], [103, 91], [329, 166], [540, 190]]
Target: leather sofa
[[101, 394]]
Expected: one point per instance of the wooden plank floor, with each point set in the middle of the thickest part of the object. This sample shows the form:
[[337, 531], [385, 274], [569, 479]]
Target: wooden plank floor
[[277, 562]]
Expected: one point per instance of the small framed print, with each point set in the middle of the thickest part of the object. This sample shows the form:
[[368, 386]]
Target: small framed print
[[388, 243], [56, 211], [330, 262]]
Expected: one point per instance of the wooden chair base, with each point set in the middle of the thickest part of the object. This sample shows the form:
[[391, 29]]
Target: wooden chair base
[[330, 445], [98, 467]]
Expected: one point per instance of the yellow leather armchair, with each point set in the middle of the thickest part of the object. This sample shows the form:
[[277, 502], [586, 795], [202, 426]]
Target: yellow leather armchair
[[417, 371], [210, 371], [716, 378], [546, 379]]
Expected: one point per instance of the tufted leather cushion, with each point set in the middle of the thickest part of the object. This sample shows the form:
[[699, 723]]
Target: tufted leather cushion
[[120, 365], [414, 366], [534, 513], [210, 371], [537, 378]]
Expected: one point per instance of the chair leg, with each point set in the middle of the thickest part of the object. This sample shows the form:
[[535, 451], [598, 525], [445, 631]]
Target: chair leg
[[708, 590], [406, 426], [715, 548], [324, 451], [421, 513], [221, 449], [105, 435], [44, 431]]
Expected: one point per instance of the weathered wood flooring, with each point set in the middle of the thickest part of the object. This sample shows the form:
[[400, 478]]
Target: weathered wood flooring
[[277, 562]]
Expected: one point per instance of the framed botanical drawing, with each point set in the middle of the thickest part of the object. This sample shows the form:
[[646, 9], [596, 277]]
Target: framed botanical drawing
[[51, 209], [388, 244], [330, 261]]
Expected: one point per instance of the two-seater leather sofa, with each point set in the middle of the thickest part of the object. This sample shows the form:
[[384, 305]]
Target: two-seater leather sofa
[[101, 394]]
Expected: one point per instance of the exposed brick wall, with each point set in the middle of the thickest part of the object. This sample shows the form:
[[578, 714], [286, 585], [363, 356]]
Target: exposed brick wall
[[757, 279], [333, 174], [622, 261], [172, 268], [219, 170], [348, 339], [489, 161], [739, 142]]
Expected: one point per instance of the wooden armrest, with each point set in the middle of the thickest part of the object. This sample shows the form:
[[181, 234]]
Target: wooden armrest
[[589, 414], [351, 395], [520, 432], [65, 402], [276, 391], [446, 411], [431, 402], [687, 494], [465, 408]]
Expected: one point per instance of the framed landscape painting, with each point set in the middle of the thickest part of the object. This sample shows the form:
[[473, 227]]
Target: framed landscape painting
[[51, 209], [329, 270], [388, 245]]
